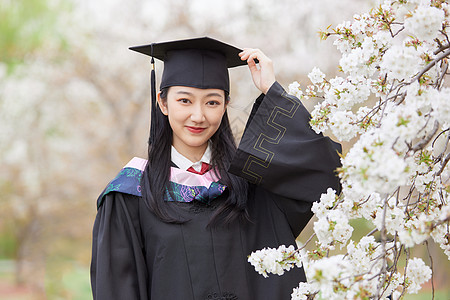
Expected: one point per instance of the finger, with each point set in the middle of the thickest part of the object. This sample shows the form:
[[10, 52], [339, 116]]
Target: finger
[[248, 51], [256, 54], [252, 65], [249, 55], [252, 57], [260, 55], [245, 53]]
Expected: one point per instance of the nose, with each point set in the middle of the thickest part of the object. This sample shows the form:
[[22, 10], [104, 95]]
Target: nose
[[197, 114]]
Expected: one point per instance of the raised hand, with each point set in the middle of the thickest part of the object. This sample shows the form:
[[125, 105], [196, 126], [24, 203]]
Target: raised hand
[[262, 73]]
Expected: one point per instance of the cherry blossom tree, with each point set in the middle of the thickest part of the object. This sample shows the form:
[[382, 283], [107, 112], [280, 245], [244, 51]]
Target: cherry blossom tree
[[391, 101]]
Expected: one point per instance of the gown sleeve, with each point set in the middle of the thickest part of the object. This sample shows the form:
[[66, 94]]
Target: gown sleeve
[[118, 266], [281, 153]]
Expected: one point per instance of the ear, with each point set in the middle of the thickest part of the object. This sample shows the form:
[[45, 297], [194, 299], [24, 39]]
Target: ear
[[161, 104], [227, 100]]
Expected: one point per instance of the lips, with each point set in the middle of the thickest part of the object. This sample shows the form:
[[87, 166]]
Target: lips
[[195, 129]]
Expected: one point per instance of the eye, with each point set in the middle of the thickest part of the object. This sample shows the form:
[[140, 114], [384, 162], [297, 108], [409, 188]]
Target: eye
[[213, 102], [184, 101]]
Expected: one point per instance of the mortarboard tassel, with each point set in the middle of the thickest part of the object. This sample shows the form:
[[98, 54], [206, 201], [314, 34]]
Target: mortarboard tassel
[[153, 116]]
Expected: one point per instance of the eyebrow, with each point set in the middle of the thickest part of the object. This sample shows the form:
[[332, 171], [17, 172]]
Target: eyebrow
[[213, 94]]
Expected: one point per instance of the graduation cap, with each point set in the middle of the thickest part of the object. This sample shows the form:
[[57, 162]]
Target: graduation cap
[[198, 62]]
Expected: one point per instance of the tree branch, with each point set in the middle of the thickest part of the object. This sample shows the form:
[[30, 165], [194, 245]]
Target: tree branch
[[444, 163], [432, 270], [440, 222], [383, 248], [441, 47], [421, 144], [440, 80], [431, 64], [440, 133], [306, 243], [404, 276]]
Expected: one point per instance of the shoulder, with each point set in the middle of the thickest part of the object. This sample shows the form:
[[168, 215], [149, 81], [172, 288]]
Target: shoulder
[[127, 181]]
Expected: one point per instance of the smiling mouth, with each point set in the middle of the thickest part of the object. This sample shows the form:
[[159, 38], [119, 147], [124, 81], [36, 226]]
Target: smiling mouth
[[195, 129]]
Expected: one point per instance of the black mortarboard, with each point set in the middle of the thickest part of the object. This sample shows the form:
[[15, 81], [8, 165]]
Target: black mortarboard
[[199, 62]]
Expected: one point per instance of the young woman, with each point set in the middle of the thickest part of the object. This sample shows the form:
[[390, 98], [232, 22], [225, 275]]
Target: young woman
[[181, 224]]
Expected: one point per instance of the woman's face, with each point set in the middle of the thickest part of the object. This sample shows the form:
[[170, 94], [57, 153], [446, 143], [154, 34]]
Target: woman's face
[[194, 115]]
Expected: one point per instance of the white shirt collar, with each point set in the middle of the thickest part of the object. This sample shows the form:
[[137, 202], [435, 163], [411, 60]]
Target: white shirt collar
[[184, 163]]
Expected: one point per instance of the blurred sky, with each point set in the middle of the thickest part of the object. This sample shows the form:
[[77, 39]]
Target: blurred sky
[[283, 28]]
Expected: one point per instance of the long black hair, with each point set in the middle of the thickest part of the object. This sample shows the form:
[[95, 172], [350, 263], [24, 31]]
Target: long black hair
[[156, 175]]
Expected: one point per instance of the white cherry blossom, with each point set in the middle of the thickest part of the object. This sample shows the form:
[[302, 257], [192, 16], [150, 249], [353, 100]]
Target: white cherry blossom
[[425, 22], [390, 101]]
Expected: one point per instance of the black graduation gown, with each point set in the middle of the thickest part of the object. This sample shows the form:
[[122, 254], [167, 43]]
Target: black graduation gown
[[137, 256]]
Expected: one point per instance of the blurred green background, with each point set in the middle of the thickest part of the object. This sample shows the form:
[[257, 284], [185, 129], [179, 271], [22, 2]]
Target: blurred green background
[[74, 109]]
